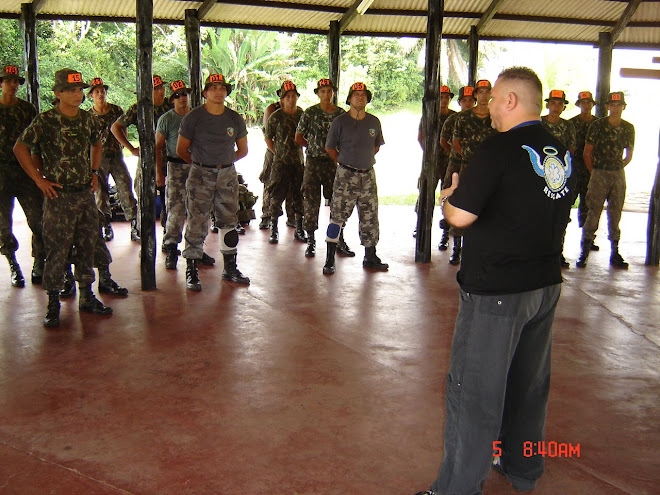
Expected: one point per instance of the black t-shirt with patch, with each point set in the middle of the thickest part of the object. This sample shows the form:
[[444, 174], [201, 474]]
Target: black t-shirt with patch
[[518, 184]]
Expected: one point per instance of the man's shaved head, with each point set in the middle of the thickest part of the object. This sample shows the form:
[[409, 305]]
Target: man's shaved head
[[517, 97], [528, 85]]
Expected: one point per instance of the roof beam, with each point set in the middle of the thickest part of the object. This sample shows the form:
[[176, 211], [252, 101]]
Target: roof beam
[[625, 19], [488, 15], [358, 7], [205, 7], [36, 4]]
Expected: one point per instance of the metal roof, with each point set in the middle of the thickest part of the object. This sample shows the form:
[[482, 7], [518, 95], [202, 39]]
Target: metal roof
[[557, 20]]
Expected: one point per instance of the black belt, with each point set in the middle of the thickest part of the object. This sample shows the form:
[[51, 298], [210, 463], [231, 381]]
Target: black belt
[[176, 160], [358, 170], [73, 189], [213, 166]]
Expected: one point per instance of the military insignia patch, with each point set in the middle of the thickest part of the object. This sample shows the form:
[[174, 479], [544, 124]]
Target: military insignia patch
[[372, 132], [552, 169], [230, 131]]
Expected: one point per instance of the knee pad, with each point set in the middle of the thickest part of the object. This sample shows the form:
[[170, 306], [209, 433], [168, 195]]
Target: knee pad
[[333, 231], [228, 239]]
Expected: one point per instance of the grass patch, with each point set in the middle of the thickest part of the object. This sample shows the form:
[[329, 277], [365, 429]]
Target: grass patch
[[401, 199]]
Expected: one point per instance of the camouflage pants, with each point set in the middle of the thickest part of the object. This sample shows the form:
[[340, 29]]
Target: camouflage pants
[[17, 184], [285, 180], [138, 194], [102, 256], [70, 219], [319, 172], [453, 167], [114, 165], [264, 177], [353, 189], [209, 189], [610, 186], [580, 190], [438, 176], [177, 175]]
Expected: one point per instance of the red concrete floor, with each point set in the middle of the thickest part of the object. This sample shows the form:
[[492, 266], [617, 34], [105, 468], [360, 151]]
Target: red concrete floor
[[304, 384]]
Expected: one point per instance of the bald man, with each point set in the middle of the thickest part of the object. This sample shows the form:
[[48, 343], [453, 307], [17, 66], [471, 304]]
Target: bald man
[[499, 376]]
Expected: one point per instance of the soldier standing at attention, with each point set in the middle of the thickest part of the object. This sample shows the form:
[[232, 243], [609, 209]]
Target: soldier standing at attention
[[167, 135], [561, 129], [606, 142], [466, 101], [287, 173], [119, 129], [470, 130], [15, 116], [443, 158], [320, 169], [212, 137], [70, 143], [581, 122], [353, 141], [112, 160]]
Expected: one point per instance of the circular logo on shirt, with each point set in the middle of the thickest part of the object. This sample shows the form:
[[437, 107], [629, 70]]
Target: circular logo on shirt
[[230, 131], [555, 175]]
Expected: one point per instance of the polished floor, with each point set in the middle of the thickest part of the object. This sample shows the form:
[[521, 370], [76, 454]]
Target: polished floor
[[305, 384]]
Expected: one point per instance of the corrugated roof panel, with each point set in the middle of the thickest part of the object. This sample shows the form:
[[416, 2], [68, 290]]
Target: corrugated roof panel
[[640, 36], [535, 30], [110, 8], [389, 24], [649, 11], [467, 5], [585, 9], [273, 17]]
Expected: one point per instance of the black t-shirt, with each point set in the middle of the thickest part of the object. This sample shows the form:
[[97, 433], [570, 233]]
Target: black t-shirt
[[518, 184]]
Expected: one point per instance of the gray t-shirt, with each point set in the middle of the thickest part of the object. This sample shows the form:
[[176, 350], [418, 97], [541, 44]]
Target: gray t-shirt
[[168, 126], [213, 136], [356, 140]]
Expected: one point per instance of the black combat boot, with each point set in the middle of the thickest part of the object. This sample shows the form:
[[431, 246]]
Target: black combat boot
[[310, 252], [299, 234], [17, 279], [172, 256], [214, 226], [135, 233], [109, 286], [584, 254], [616, 259], [329, 267], [231, 272], [37, 274], [88, 303], [52, 318], [444, 240], [373, 261], [455, 258], [274, 234], [240, 229], [192, 278], [69, 288], [594, 247], [207, 260], [562, 261], [342, 247], [108, 233]]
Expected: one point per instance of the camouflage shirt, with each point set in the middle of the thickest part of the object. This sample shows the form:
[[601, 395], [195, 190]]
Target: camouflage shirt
[[281, 128], [13, 121], [443, 118], [110, 144], [447, 132], [581, 128], [64, 144], [563, 131], [314, 126], [609, 142], [130, 117], [471, 131]]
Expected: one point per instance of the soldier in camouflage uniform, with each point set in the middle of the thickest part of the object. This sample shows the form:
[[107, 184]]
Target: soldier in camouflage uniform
[[582, 122], [161, 105], [561, 129], [353, 141], [167, 135], [112, 161], [320, 169], [470, 130], [287, 173], [15, 116], [607, 139], [443, 155], [264, 177], [70, 143], [212, 137], [466, 101]]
